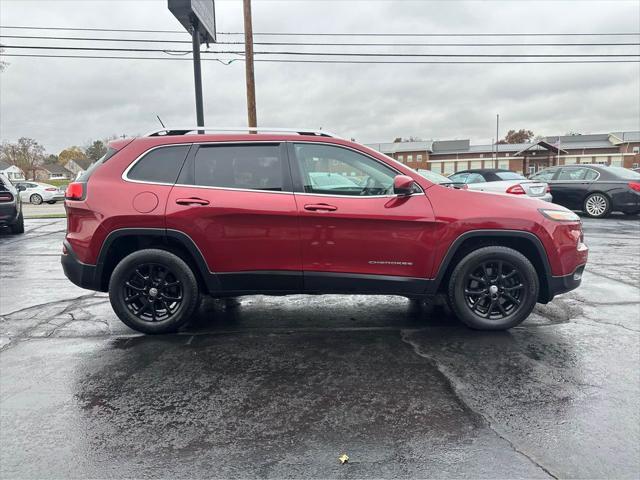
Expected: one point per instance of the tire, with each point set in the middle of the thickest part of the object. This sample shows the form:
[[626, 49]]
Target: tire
[[597, 205], [18, 225], [35, 199], [51, 202], [144, 289], [504, 294]]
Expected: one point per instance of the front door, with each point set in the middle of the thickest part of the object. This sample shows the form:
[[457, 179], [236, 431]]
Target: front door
[[356, 235], [235, 201], [571, 185]]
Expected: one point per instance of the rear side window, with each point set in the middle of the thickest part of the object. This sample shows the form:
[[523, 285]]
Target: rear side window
[[161, 165], [250, 167], [475, 178], [544, 176]]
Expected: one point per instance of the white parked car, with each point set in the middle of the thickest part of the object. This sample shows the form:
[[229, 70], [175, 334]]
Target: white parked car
[[36, 192], [497, 180]]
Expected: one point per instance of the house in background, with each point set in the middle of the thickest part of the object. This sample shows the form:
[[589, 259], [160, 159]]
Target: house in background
[[77, 166], [13, 173], [53, 172]]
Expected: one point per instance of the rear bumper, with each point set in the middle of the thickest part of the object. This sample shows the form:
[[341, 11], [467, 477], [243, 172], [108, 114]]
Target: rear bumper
[[546, 198], [565, 283], [8, 213], [81, 274]]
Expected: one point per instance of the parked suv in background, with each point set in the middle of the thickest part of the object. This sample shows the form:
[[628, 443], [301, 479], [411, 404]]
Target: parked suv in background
[[10, 206], [166, 217]]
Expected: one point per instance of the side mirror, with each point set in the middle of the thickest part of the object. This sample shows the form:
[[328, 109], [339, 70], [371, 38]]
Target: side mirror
[[403, 185]]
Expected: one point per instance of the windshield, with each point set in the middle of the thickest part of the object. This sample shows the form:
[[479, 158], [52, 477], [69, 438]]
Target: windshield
[[624, 173], [433, 176], [509, 176]]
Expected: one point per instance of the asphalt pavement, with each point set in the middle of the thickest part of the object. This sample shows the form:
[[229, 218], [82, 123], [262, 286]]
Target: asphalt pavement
[[279, 387]]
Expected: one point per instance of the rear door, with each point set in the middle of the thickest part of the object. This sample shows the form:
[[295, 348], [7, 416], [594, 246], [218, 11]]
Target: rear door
[[356, 235], [235, 201]]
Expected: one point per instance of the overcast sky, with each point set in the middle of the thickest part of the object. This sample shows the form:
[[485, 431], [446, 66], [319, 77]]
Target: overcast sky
[[62, 102]]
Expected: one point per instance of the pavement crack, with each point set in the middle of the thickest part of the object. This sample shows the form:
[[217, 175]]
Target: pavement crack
[[404, 336], [73, 301]]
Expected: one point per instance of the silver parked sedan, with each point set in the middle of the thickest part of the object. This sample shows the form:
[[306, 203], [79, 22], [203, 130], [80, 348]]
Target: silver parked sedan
[[497, 180]]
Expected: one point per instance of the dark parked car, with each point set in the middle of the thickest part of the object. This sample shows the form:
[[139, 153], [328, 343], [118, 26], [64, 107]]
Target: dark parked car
[[243, 214], [597, 190], [10, 206]]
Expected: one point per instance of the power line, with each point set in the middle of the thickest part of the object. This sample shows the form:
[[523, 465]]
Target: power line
[[331, 44], [277, 60], [333, 54], [338, 34]]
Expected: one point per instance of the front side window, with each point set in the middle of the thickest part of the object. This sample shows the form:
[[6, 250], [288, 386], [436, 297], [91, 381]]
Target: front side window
[[575, 174], [475, 178], [543, 176], [247, 167], [458, 177], [161, 165], [330, 170]]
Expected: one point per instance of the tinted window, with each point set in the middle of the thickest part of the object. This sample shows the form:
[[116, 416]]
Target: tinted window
[[544, 176], [252, 167], [84, 176], [475, 178], [161, 165], [326, 169], [509, 176], [577, 174], [458, 177]]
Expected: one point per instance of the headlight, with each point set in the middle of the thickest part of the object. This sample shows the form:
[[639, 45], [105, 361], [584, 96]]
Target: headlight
[[559, 215]]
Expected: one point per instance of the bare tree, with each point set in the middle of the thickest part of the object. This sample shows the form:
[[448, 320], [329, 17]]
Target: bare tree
[[26, 154]]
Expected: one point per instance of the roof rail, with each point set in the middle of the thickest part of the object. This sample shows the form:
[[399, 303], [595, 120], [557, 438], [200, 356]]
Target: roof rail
[[186, 130]]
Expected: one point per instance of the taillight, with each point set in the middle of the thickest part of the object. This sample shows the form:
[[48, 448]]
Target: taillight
[[51, 189], [634, 186], [6, 197], [516, 190], [75, 191]]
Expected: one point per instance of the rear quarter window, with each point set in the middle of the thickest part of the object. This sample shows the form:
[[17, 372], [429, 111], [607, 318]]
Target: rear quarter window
[[160, 165], [84, 176]]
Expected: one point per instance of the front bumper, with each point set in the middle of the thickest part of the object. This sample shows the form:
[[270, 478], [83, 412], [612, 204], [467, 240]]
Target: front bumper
[[565, 283], [81, 274]]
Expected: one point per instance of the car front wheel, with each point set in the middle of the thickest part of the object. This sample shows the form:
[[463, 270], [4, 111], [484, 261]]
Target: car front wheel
[[153, 291], [18, 225], [597, 205], [35, 199], [493, 288]]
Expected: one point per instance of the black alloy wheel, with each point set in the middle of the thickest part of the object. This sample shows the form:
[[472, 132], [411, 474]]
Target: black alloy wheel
[[153, 293], [493, 288]]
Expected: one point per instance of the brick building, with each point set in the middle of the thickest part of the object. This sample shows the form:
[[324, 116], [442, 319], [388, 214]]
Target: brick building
[[449, 156]]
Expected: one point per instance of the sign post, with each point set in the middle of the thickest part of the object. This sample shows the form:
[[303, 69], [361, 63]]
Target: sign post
[[198, 17]]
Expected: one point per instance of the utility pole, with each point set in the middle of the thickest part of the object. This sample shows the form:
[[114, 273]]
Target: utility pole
[[248, 62], [197, 74], [497, 137]]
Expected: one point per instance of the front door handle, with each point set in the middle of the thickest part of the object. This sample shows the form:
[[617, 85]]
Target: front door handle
[[320, 207], [192, 201]]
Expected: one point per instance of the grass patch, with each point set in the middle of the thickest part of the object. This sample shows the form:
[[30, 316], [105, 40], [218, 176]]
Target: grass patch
[[58, 183]]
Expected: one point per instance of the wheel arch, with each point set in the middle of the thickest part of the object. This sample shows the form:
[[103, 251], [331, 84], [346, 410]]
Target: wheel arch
[[526, 243], [122, 242]]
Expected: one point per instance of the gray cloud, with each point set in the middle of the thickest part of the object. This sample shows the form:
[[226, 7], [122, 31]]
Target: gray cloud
[[63, 102]]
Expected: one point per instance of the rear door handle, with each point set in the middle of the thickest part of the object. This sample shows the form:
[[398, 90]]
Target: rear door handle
[[320, 207], [192, 201]]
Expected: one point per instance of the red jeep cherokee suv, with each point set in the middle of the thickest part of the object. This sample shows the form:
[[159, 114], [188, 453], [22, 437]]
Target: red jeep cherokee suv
[[164, 218]]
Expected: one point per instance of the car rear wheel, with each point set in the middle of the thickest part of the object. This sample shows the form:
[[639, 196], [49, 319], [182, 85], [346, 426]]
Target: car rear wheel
[[597, 205], [18, 225], [153, 291], [35, 199], [493, 288]]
